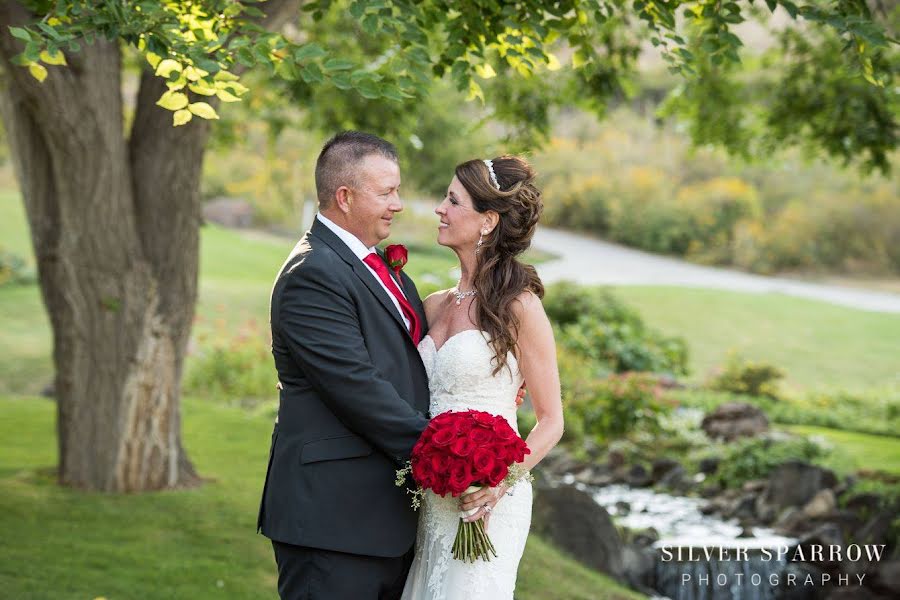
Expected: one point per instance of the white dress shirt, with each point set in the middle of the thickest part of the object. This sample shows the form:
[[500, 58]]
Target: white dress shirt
[[361, 252]]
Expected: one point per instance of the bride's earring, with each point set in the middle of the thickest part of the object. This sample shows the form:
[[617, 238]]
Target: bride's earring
[[480, 242]]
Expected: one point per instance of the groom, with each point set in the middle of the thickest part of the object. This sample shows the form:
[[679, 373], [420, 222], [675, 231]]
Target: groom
[[354, 393]]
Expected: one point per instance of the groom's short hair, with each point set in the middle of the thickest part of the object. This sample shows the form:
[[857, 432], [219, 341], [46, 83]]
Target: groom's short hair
[[339, 160]]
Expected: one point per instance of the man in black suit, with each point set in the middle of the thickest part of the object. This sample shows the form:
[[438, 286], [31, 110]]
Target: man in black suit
[[354, 392]]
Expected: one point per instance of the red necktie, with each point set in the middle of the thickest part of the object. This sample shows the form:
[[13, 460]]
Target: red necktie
[[374, 261]]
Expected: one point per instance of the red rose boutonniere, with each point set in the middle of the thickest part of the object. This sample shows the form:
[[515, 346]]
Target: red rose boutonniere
[[397, 257]]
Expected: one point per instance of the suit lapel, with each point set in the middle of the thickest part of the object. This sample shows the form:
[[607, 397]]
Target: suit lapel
[[326, 235]]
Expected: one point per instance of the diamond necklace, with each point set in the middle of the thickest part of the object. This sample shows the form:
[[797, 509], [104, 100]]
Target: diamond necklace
[[460, 296]]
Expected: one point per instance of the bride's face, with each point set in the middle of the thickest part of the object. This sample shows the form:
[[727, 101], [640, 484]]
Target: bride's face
[[461, 224]]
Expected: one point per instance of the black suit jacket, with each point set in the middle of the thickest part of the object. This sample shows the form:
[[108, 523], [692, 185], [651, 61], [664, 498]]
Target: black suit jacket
[[353, 404]]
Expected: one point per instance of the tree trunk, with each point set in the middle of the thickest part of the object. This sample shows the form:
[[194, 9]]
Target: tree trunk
[[114, 225]]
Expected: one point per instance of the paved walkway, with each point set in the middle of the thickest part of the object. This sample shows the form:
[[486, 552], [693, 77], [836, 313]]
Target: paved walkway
[[590, 261]]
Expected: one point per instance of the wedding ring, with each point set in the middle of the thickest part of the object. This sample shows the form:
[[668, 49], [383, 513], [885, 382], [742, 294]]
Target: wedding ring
[[487, 508]]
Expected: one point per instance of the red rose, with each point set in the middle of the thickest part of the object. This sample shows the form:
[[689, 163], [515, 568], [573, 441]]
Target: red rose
[[397, 257], [443, 437], [462, 426], [483, 418], [483, 461], [439, 463], [460, 477], [497, 474], [503, 431], [481, 437], [462, 446]]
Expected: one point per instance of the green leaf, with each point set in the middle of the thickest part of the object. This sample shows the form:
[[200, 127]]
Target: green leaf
[[369, 89], [308, 52], [172, 100], [338, 64], [38, 72], [311, 73], [22, 34], [341, 81], [203, 110], [180, 117]]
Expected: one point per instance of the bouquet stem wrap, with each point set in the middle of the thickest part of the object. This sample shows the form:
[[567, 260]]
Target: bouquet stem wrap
[[472, 541]]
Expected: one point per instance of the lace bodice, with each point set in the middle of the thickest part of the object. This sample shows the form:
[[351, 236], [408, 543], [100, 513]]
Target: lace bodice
[[460, 377]]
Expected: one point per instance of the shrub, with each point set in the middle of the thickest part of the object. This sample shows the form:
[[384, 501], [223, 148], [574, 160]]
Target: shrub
[[747, 377], [755, 458], [232, 366], [622, 404], [14, 269], [592, 323]]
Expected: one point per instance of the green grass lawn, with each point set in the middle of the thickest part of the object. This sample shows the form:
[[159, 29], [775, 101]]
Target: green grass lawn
[[852, 451], [201, 543], [819, 345]]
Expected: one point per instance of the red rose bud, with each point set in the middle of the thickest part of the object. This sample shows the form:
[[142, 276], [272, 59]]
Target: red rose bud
[[443, 437], [397, 257], [483, 418], [483, 461], [480, 436], [462, 446]]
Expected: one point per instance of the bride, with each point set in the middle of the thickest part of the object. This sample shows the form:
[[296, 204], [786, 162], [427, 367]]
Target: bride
[[485, 337]]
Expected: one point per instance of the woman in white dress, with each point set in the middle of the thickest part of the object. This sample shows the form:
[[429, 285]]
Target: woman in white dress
[[485, 337]]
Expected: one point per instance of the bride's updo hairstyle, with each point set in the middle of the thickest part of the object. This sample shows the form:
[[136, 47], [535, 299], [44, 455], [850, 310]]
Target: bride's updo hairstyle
[[499, 277]]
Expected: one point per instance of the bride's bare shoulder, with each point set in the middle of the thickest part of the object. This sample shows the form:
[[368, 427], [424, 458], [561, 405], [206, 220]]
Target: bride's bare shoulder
[[433, 303]]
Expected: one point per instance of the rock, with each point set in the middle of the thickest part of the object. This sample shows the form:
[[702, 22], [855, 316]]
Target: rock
[[638, 476], [743, 508], [661, 466], [887, 578], [821, 505], [676, 480], [622, 507], [852, 592], [877, 528], [765, 512], [754, 485], [794, 483], [597, 475], [784, 591], [615, 459], [639, 566], [733, 420], [228, 212], [824, 535], [788, 522], [710, 465], [710, 490], [574, 522], [866, 503]]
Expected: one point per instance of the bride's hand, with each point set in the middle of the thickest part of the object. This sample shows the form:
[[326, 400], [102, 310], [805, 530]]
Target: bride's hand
[[485, 499]]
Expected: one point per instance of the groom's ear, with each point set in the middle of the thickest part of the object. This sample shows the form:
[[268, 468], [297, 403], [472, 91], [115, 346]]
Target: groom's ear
[[343, 199]]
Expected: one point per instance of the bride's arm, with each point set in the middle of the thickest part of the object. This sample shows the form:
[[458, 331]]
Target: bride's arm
[[537, 362]]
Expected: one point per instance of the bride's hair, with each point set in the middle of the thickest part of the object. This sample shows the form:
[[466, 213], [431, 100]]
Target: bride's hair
[[499, 277]]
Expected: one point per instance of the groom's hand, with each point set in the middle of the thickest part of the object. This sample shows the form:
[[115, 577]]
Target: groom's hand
[[520, 397]]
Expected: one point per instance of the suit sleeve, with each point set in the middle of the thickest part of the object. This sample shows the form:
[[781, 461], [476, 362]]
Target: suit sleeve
[[320, 326]]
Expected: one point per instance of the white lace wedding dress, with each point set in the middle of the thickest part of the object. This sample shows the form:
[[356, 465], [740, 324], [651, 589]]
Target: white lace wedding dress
[[460, 378]]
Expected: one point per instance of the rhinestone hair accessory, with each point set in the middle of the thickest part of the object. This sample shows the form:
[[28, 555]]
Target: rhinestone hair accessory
[[490, 166]]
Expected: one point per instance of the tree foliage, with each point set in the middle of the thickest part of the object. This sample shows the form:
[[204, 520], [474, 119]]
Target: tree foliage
[[202, 47]]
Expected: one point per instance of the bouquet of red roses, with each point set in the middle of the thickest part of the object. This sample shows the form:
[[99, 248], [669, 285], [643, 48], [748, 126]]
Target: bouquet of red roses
[[459, 452]]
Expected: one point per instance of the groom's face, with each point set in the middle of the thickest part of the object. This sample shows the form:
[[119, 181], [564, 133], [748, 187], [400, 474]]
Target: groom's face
[[374, 200]]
